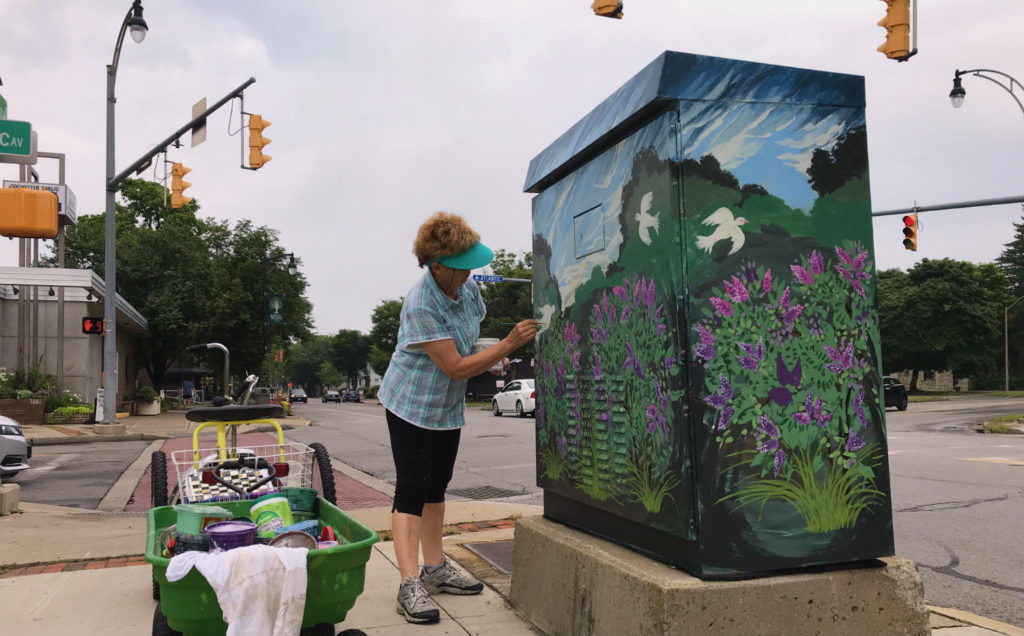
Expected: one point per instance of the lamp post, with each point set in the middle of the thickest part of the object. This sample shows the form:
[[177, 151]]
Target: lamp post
[[134, 23], [1006, 342], [957, 95], [292, 269]]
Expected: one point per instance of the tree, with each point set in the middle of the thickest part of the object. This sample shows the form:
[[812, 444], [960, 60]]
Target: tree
[[386, 318], [830, 169], [1011, 261], [942, 314], [305, 364], [350, 351], [194, 280], [509, 302]]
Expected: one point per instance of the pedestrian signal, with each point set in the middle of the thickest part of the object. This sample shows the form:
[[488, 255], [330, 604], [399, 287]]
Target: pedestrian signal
[[93, 325], [910, 232]]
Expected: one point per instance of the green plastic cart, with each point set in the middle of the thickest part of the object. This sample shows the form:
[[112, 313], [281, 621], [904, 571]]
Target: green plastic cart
[[335, 577]]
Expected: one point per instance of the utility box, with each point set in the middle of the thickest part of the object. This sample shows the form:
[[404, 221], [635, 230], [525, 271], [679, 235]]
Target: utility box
[[708, 374]]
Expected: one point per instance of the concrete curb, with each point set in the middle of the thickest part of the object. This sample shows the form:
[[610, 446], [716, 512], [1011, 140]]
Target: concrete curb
[[978, 621], [85, 439]]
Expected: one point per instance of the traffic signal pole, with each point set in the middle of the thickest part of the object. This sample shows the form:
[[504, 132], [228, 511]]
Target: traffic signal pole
[[110, 381], [951, 206]]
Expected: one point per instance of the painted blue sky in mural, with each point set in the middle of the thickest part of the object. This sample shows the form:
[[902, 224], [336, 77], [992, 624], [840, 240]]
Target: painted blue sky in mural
[[767, 144]]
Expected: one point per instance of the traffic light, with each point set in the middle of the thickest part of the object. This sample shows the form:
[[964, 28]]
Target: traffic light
[[910, 232], [897, 29], [257, 142], [178, 171], [93, 326], [608, 8]]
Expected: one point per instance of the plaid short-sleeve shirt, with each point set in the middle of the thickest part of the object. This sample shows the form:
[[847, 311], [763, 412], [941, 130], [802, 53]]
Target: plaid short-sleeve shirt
[[414, 388]]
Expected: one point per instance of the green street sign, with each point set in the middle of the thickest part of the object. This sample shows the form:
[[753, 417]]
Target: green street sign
[[15, 138], [275, 309]]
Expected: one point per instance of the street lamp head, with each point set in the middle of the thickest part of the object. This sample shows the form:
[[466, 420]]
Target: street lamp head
[[956, 96], [136, 23], [292, 267]]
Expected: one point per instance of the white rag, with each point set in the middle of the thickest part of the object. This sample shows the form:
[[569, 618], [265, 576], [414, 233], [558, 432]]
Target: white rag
[[261, 590]]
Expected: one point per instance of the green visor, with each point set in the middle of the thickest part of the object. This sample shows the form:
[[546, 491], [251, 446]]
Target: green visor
[[476, 256]]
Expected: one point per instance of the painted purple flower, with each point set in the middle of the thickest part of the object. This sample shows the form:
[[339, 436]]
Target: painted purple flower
[[657, 314], [706, 337], [859, 288], [597, 314], [792, 314], [547, 369], [721, 397], [821, 416], [572, 336], [625, 313], [854, 443], [805, 417], [575, 360], [621, 293], [660, 329], [844, 256], [669, 362], [863, 275], [750, 364], [724, 418], [638, 291], [605, 305], [655, 420], [721, 306], [817, 265], [563, 446], [766, 282], [661, 395], [737, 291], [845, 274], [632, 362], [859, 261], [780, 459], [649, 296], [784, 300], [780, 394], [841, 360], [540, 416], [767, 426], [598, 376], [858, 409], [802, 274]]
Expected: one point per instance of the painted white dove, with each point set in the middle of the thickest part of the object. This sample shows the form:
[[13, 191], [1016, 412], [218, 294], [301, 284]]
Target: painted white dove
[[728, 228], [647, 221]]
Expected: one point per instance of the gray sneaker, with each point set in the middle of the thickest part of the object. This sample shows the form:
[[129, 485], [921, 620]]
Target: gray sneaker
[[414, 603], [450, 580]]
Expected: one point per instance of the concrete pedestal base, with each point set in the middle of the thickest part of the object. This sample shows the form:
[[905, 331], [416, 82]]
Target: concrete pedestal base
[[9, 494], [569, 583], [110, 429]]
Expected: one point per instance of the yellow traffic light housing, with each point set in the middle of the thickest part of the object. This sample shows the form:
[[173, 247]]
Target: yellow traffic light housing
[[897, 29], [910, 232], [178, 171], [28, 213], [257, 142], [608, 8]]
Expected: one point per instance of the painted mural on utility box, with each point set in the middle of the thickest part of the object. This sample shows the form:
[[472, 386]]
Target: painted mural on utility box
[[708, 372]]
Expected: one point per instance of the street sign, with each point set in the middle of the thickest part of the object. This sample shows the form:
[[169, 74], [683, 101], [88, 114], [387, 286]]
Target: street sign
[[482, 278], [275, 309], [199, 130], [66, 200], [28, 159], [15, 138]]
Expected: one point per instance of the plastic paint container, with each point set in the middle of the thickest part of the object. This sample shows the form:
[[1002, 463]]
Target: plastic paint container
[[271, 513], [301, 499], [311, 527], [191, 543], [228, 535], [193, 518], [323, 545]]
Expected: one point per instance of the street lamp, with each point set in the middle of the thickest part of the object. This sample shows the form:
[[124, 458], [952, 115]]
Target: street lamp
[[957, 95], [134, 22], [292, 269], [1006, 342]]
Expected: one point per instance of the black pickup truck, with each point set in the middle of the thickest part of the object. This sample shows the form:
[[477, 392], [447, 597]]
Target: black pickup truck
[[895, 393]]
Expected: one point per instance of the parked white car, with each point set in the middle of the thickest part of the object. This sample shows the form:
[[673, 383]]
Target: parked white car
[[518, 396], [14, 448]]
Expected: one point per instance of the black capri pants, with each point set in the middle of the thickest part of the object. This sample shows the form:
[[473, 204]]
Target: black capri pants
[[424, 463]]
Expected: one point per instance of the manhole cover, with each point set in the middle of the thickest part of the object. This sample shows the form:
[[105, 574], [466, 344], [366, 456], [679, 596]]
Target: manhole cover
[[498, 554], [484, 492]]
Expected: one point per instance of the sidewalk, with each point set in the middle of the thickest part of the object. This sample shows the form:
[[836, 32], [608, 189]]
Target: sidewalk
[[67, 570]]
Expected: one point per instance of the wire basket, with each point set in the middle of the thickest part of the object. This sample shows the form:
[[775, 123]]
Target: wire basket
[[231, 474]]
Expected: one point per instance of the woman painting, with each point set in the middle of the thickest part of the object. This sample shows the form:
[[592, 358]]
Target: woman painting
[[424, 392]]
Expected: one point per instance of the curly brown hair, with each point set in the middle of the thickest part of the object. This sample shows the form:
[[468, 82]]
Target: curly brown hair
[[441, 235]]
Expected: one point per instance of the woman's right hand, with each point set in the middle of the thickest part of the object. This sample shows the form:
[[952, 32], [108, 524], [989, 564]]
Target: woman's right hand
[[522, 333]]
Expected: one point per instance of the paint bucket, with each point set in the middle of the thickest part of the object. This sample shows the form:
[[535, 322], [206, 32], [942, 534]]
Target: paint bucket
[[294, 539], [271, 513], [228, 535], [485, 343], [193, 518], [301, 499], [191, 543], [311, 527]]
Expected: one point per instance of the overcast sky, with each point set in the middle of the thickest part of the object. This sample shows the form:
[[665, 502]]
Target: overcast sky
[[386, 111]]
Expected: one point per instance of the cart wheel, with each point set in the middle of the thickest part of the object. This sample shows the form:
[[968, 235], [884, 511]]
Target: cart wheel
[[158, 476], [323, 474], [160, 626], [322, 629]]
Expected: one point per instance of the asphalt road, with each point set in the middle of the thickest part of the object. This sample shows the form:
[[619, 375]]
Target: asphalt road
[[957, 494]]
